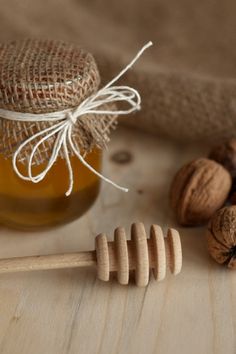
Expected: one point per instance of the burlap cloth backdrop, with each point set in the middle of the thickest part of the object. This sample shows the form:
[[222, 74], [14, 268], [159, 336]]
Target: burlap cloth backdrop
[[187, 80]]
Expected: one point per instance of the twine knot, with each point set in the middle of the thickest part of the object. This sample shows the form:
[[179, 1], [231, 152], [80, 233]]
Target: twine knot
[[71, 117]]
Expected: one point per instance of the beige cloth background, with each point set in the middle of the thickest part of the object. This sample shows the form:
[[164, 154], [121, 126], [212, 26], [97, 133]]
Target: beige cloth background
[[187, 80]]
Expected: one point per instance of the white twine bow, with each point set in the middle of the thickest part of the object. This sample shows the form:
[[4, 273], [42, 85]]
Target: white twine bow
[[67, 118]]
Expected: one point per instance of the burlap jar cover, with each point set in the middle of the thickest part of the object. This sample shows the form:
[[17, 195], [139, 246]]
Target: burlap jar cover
[[39, 77], [47, 76]]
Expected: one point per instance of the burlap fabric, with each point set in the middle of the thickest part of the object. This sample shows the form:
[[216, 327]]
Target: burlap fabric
[[187, 80], [41, 76]]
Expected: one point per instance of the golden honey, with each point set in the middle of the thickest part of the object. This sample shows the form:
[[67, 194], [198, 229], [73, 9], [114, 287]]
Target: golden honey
[[27, 205]]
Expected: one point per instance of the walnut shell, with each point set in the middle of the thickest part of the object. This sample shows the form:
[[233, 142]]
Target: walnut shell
[[221, 236], [199, 189], [225, 154]]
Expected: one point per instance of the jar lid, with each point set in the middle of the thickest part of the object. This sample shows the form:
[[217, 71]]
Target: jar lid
[[41, 76]]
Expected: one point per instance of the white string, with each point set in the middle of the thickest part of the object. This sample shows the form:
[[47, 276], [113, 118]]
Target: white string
[[68, 117]]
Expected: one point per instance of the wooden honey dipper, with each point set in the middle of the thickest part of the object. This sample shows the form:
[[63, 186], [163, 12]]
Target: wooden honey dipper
[[121, 255]]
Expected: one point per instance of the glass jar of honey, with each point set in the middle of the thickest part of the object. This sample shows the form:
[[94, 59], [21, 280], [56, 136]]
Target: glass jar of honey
[[41, 77], [54, 123]]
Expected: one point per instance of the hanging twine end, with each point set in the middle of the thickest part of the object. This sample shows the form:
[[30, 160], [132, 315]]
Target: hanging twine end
[[150, 43]]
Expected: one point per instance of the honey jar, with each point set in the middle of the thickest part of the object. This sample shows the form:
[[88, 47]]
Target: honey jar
[[54, 123], [40, 77]]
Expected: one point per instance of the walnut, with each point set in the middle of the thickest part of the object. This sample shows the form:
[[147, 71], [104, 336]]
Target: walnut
[[199, 189], [225, 154], [221, 236]]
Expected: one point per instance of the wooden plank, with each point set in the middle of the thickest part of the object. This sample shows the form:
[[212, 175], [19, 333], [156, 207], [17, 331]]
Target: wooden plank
[[70, 312]]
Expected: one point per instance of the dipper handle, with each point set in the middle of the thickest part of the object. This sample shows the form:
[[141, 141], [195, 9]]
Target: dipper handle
[[45, 262]]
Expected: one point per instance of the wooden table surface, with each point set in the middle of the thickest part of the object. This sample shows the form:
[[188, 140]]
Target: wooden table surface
[[70, 312]]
